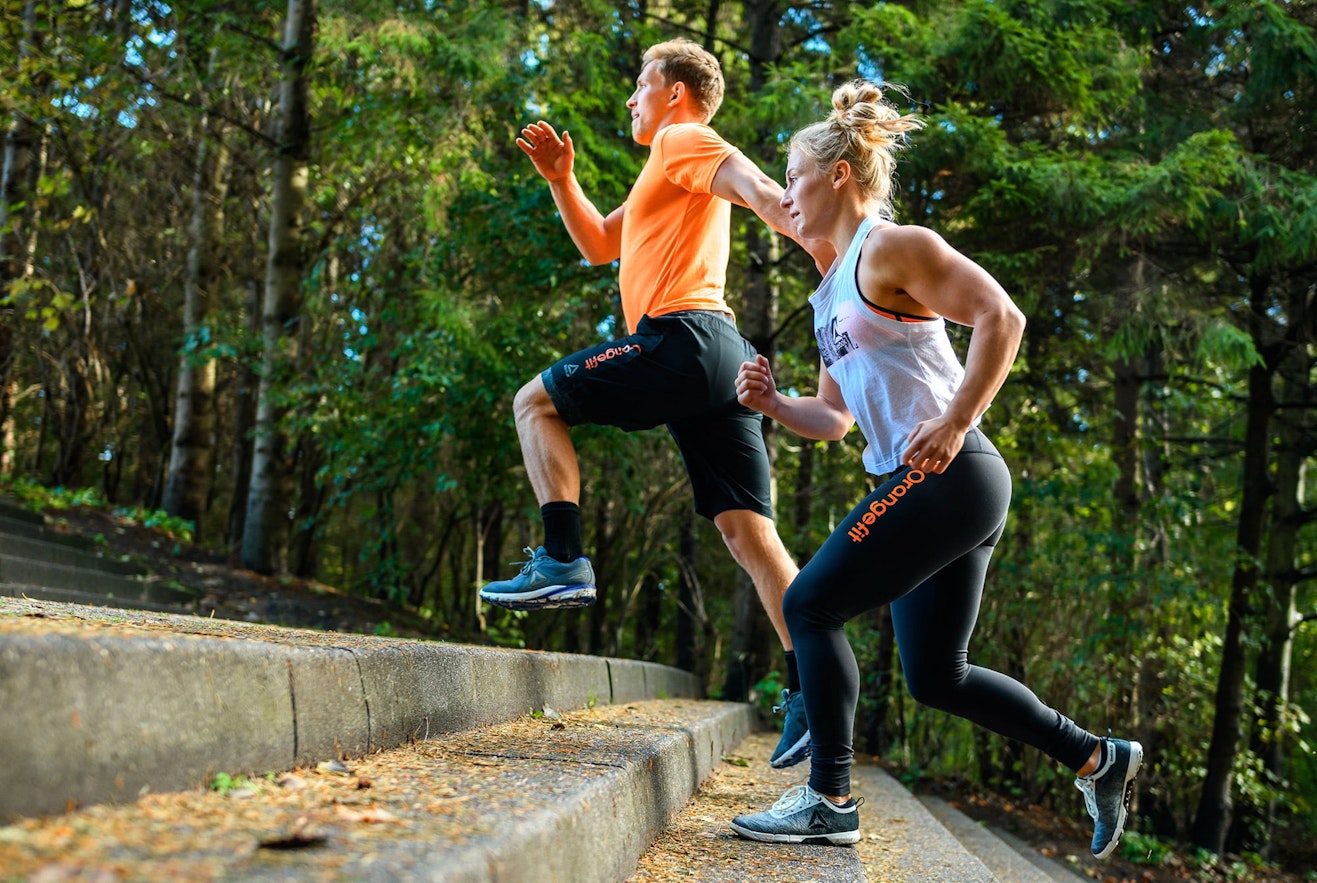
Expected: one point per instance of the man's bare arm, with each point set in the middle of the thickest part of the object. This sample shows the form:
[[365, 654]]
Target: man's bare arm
[[597, 237], [742, 182]]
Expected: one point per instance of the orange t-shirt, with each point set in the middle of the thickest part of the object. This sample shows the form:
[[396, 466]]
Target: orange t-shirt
[[676, 235]]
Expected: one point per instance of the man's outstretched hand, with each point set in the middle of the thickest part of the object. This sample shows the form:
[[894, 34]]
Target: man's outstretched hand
[[552, 156]]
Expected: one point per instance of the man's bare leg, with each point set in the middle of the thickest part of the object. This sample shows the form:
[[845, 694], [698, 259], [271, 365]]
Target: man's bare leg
[[754, 543], [756, 546], [546, 446], [557, 575]]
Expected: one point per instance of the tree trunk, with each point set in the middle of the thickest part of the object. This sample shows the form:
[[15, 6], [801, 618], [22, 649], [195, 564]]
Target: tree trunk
[[188, 480], [14, 177], [1212, 818], [1279, 598], [266, 531], [244, 419]]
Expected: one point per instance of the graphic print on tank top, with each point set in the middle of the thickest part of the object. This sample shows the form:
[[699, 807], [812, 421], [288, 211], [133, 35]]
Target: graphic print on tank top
[[834, 343]]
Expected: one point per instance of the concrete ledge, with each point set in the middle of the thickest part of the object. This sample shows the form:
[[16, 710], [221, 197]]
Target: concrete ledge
[[96, 582], [578, 810], [91, 599], [924, 851], [52, 552], [1006, 865], [96, 714]]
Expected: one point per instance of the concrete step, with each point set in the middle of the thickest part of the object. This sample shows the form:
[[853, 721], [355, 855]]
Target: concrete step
[[115, 719], [1008, 862], [699, 845], [92, 599], [446, 776], [11, 509], [120, 588], [33, 526], [1058, 870], [904, 838], [903, 842], [43, 548], [124, 700]]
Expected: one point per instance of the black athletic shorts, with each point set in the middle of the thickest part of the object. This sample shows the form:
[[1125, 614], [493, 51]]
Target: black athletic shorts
[[679, 370]]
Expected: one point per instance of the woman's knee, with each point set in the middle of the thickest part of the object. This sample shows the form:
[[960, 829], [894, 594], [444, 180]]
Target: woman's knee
[[803, 607], [934, 687]]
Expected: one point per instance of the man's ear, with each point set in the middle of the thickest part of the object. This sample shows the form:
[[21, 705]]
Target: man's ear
[[677, 92]]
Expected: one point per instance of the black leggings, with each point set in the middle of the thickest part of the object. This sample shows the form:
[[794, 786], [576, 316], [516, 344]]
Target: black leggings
[[921, 542]]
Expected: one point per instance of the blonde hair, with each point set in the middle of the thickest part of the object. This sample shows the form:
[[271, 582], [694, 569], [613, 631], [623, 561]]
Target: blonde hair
[[865, 130], [683, 61]]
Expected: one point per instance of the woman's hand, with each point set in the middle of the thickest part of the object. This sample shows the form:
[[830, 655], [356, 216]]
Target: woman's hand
[[933, 445], [755, 387]]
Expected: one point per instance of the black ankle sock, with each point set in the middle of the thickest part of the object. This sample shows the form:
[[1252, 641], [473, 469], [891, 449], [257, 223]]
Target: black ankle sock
[[562, 530], [793, 672]]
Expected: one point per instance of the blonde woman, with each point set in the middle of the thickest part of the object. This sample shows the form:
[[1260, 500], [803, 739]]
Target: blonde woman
[[920, 542]]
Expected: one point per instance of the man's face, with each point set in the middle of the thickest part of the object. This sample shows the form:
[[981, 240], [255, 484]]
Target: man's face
[[649, 104]]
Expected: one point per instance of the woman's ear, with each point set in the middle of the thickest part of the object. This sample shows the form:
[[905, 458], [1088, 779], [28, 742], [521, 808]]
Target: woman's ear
[[841, 173]]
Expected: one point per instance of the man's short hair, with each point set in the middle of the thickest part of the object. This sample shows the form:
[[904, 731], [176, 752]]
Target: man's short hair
[[687, 62]]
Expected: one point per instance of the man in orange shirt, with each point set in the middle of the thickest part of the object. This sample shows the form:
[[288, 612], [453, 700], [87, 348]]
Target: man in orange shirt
[[678, 364]]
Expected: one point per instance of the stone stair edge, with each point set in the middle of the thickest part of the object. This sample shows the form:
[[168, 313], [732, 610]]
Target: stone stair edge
[[1003, 859], [160, 709], [41, 548], [35, 526], [921, 847], [94, 580]]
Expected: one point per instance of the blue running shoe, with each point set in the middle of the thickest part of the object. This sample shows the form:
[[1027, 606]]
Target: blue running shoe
[[544, 583], [793, 747], [802, 815], [1107, 792]]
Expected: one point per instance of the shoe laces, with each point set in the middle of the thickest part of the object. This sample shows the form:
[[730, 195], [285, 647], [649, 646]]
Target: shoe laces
[[1089, 790], [796, 798], [786, 694], [525, 568]]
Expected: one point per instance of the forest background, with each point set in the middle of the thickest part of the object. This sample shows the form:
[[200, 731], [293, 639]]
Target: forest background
[[277, 269]]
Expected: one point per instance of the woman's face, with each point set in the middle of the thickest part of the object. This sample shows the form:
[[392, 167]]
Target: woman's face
[[806, 196]]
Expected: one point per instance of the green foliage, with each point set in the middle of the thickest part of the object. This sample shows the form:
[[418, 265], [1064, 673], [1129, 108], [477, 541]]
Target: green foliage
[[767, 692], [1144, 849], [38, 498], [225, 784]]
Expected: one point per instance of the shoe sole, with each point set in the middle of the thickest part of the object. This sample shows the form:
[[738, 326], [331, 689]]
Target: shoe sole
[[793, 755], [841, 838], [1131, 771], [549, 597]]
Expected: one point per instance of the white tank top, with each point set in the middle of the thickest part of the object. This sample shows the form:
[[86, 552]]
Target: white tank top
[[893, 373]]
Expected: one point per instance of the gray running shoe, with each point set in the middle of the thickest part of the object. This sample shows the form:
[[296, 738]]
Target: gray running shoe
[[793, 747], [802, 815], [543, 583], [1107, 792]]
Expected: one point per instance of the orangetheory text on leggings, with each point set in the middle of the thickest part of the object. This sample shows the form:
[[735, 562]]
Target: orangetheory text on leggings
[[878, 508]]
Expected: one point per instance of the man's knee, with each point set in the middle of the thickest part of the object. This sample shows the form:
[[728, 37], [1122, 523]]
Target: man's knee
[[746, 532], [532, 401]]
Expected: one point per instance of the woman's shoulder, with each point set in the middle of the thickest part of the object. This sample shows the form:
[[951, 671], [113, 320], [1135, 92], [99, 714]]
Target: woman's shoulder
[[890, 244], [888, 235]]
